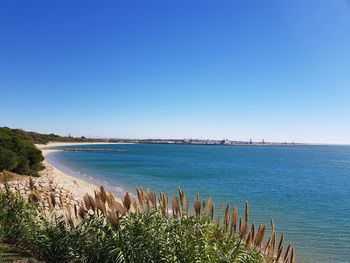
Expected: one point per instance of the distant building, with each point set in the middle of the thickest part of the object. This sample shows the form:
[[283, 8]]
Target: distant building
[[225, 142]]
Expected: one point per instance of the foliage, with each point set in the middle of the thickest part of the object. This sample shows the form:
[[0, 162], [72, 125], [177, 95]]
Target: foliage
[[150, 237], [100, 241], [9, 253], [45, 138], [103, 230], [8, 159], [18, 219], [18, 153]]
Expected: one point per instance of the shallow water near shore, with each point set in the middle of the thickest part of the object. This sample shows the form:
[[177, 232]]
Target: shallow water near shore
[[305, 189]]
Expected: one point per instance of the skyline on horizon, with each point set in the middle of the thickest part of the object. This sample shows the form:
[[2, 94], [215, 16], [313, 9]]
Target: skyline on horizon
[[278, 71], [254, 141]]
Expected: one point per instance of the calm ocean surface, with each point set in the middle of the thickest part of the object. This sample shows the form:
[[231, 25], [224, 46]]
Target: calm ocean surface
[[305, 189]]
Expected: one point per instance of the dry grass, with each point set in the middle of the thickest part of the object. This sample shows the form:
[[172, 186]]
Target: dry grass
[[105, 204], [7, 176]]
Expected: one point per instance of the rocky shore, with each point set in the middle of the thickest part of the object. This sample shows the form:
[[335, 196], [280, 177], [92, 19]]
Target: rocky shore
[[45, 190], [53, 188]]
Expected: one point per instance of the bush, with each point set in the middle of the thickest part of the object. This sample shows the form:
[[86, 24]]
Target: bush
[[103, 231], [8, 159], [100, 241], [143, 236], [57, 242], [19, 219], [18, 153]]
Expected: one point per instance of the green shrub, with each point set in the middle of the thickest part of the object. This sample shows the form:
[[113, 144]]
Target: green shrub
[[99, 240], [19, 219], [18, 153], [57, 242], [151, 237], [8, 159], [105, 232]]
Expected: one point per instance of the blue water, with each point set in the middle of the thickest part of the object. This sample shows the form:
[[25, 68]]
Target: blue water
[[305, 189]]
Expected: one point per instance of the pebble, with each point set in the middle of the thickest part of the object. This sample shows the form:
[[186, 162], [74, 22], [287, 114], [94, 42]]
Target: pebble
[[44, 188]]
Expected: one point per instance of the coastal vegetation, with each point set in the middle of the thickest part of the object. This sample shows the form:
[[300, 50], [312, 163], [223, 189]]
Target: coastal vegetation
[[148, 228], [41, 138], [18, 153]]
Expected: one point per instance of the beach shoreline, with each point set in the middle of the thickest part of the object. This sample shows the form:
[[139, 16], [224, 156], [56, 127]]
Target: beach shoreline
[[79, 186]]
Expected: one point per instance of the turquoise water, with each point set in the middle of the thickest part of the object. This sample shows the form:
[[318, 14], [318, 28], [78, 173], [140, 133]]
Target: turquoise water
[[305, 189]]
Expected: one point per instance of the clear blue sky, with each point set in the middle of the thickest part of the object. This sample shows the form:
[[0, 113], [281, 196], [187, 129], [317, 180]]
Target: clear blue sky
[[237, 69]]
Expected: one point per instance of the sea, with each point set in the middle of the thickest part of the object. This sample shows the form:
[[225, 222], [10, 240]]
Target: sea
[[304, 189]]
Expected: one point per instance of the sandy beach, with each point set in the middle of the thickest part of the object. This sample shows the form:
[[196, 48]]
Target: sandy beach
[[77, 187]]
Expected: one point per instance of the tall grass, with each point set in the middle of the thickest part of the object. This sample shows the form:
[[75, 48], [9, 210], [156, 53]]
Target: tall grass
[[150, 229]]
